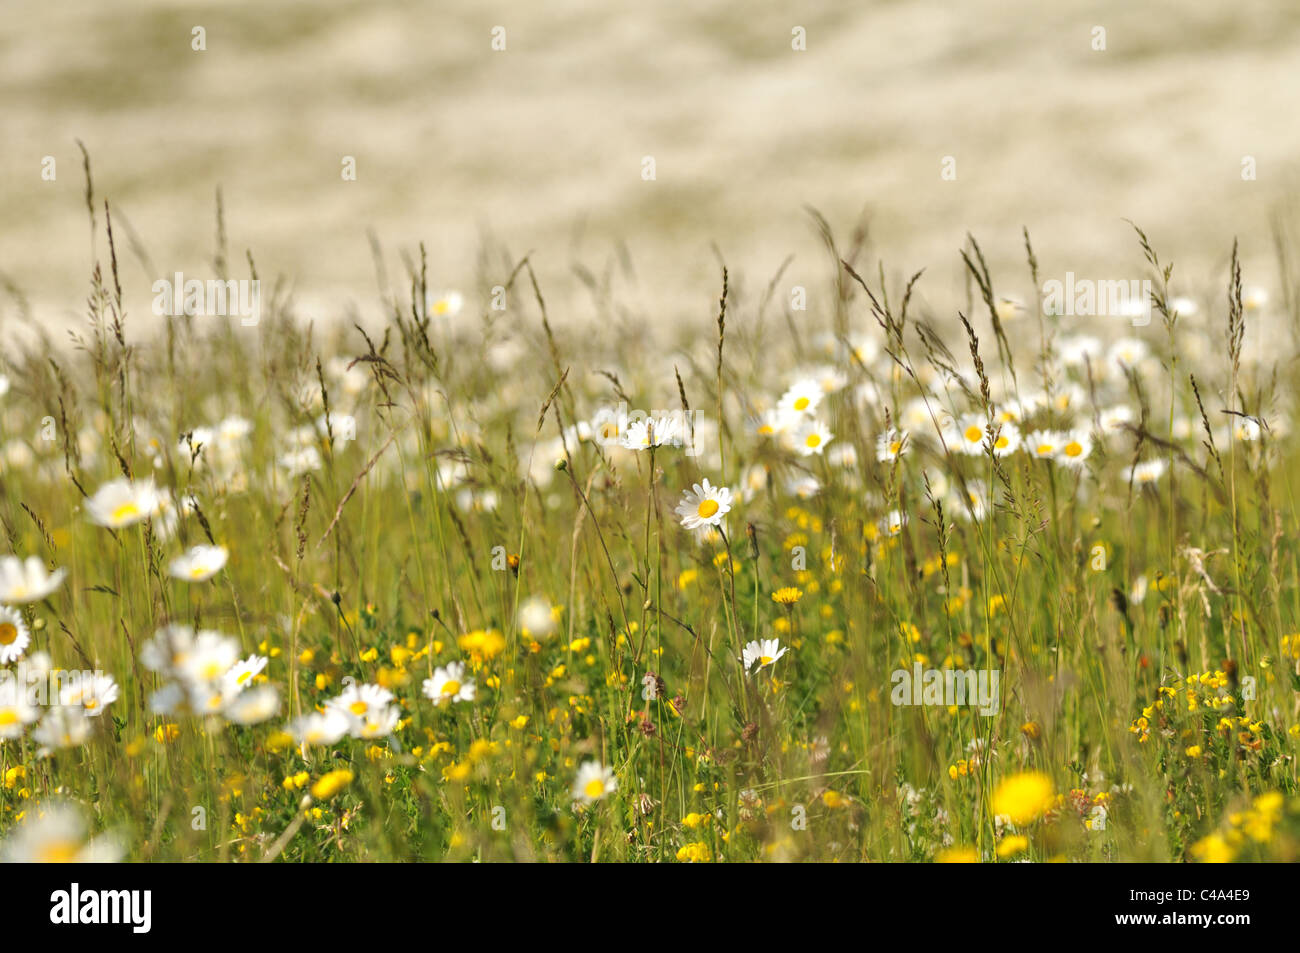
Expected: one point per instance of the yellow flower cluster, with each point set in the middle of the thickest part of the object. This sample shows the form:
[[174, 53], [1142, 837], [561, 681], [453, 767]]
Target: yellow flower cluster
[[696, 853], [1253, 825]]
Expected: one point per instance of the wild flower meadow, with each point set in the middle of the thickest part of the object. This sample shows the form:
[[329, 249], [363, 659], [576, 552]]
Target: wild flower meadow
[[833, 574]]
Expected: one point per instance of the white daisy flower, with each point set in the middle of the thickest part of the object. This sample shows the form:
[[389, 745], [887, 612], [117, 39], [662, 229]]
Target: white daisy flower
[[862, 348], [351, 374], [644, 433], [802, 397], [892, 523], [62, 728], [1006, 439], [1067, 398], [168, 648], [14, 635], [753, 481], [24, 581], [1044, 444], [449, 684], [891, 445], [253, 706], [812, 438], [1075, 350], [772, 423], [971, 431], [843, 455], [703, 505], [123, 503], [1113, 419], [209, 698], [240, 675], [481, 501], [1149, 472], [168, 700], [1246, 429], [233, 429], [804, 486], [1075, 449], [320, 727], [973, 504], [196, 444], [199, 564], [342, 426], [762, 653], [444, 304], [208, 660], [830, 378], [55, 833], [1128, 353], [536, 617], [377, 723], [593, 782], [604, 426], [92, 692], [297, 462], [1138, 593], [1254, 298], [358, 701], [1010, 412], [15, 712]]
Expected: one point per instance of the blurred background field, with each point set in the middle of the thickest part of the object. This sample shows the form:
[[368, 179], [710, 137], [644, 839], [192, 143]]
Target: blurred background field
[[540, 147]]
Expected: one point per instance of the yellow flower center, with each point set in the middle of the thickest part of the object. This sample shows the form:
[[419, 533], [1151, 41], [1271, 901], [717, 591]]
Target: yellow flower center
[[58, 852], [595, 788], [974, 434], [1044, 449], [8, 633], [8, 717], [1073, 449], [802, 403], [708, 508], [765, 660], [450, 687], [197, 571], [359, 708], [813, 439], [895, 447], [1001, 443], [125, 512]]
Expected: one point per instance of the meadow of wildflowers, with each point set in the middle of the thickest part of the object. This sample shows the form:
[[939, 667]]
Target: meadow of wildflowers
[[868, 578]]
